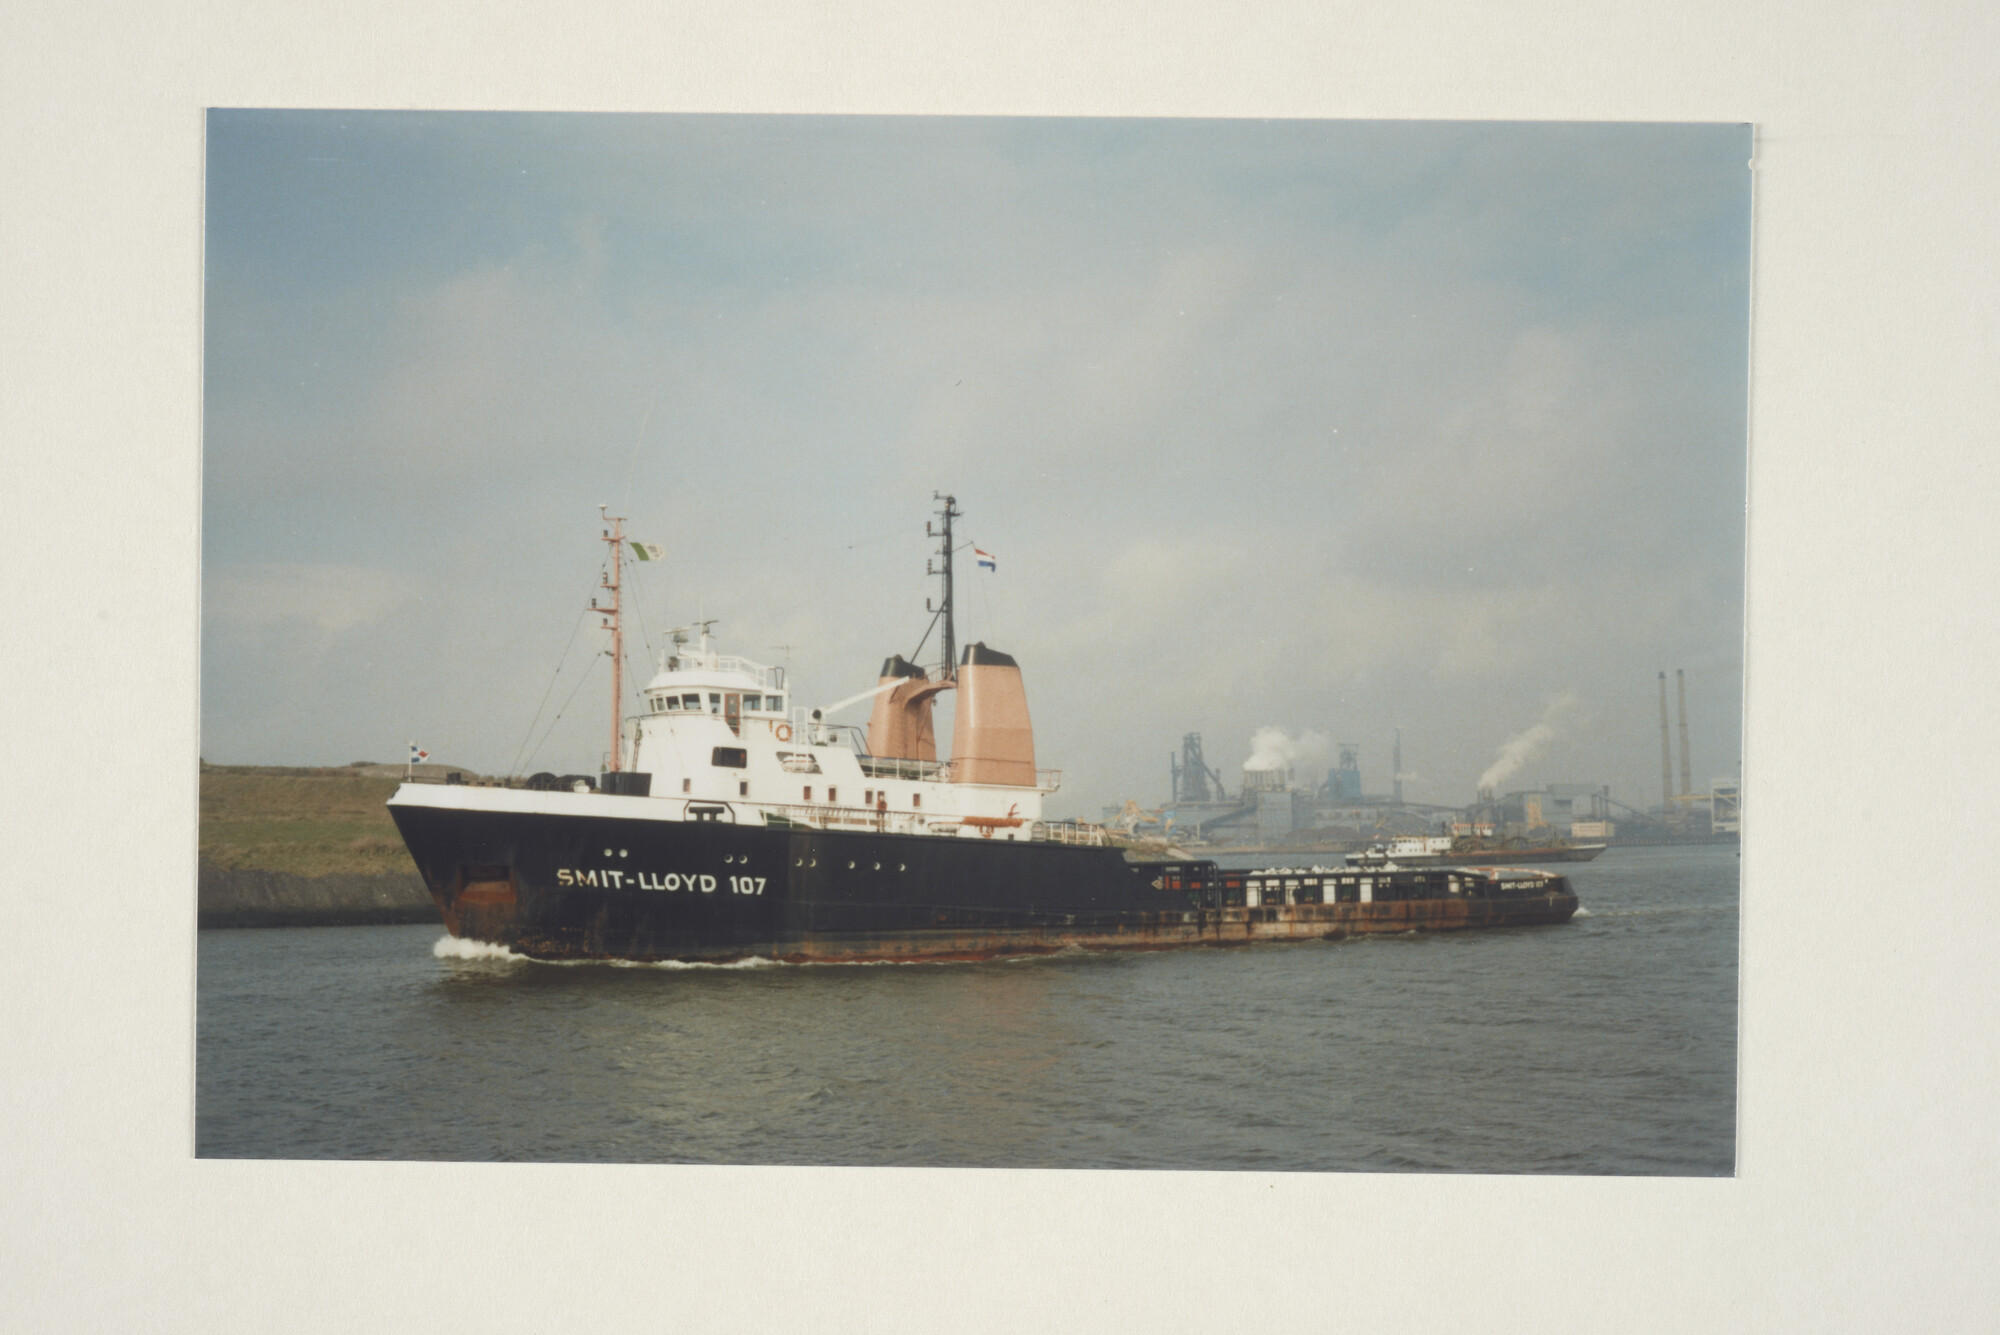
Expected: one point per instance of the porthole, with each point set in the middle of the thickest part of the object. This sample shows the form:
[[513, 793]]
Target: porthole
[[901, 867], [729, 857], [798, 862], [607, 852], [850, 864], [878, 866], [621, 853]]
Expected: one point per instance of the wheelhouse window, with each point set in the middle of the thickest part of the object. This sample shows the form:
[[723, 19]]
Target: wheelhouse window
[[714, 702], [751, 702]]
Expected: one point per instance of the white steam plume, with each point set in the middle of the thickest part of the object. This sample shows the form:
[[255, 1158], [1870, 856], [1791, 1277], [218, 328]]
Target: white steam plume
[[1522, 747], [1274, 748]]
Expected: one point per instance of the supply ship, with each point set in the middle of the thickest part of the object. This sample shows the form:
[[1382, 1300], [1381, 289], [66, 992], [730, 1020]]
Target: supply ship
[[730, 822]]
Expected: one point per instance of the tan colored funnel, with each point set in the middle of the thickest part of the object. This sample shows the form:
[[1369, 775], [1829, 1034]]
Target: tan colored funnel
[[899, 728], [991, 738]]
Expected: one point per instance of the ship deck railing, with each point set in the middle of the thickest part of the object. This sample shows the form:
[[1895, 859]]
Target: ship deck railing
[[890, 767], [825, 816], [938, 771], [771, 678], [822, 816], [1082, 832]]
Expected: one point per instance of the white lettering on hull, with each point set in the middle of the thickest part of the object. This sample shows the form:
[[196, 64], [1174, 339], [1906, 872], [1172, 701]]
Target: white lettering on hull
[[673, 882]]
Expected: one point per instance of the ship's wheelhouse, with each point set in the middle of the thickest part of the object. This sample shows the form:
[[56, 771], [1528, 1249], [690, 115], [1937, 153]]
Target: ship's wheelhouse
[[726, 703]]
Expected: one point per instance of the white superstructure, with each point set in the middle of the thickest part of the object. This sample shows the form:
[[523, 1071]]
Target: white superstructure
[[723, 739], [1404, 850]]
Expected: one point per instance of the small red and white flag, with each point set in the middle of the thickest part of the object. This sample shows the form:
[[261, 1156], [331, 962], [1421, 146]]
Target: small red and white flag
[[416, 755]]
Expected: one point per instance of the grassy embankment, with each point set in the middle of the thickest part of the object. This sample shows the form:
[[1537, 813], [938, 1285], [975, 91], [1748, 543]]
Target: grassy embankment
[[308, 822], [303, 848]]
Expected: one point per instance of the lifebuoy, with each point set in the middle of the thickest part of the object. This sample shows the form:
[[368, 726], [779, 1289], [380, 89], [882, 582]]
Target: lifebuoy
[[782, 731]]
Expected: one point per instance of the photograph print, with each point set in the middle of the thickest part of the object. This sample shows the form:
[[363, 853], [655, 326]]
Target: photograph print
[[972, 642]]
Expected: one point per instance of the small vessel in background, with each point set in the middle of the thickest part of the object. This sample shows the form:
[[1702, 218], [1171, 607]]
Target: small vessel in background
[[1418, 850], [1471, 851]]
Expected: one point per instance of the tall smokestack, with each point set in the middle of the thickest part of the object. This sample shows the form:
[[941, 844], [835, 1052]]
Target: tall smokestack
[[1681, 683], [1666, 752], [900, 727], [991, 738], [1396, 766]]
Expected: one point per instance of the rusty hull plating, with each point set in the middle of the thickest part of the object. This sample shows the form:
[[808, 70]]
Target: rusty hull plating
[[1147, 931]]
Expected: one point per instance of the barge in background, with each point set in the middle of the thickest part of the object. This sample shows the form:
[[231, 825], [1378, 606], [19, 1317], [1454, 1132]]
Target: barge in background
[[719, 832], [1519, 855]]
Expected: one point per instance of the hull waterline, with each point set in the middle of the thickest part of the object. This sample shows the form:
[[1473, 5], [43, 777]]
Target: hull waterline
[[553, 886]]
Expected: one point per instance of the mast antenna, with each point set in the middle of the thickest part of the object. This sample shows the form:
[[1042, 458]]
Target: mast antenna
[[950, 512], [614, 534]]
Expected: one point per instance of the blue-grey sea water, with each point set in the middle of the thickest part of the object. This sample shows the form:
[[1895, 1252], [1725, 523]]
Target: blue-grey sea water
[[1606, 1045]]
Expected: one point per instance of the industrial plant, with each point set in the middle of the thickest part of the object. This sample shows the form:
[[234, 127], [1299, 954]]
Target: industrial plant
[[1274, 805]]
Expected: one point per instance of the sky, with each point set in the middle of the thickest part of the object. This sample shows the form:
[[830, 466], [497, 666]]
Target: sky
[[1329, 428]]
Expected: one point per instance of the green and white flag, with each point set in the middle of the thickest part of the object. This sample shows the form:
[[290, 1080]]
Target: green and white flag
[[649, 551]]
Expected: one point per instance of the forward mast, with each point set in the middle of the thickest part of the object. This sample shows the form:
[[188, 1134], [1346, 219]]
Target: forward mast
[[614, 534]]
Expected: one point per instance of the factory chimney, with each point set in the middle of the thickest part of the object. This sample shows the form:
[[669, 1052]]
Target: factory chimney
[[1681, 683], [1666, 752]]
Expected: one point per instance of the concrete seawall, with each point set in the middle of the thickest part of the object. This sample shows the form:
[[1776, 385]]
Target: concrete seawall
[[251, 898]]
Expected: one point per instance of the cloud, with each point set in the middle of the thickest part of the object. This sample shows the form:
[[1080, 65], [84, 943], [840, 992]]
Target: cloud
[[318, 603], [1358, 426]]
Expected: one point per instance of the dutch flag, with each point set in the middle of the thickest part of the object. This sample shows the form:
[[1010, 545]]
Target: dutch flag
[[986, 561], [416, 755]]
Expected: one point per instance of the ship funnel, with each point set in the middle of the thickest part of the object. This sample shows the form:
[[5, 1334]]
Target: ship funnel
[[900, 728], [992, 739]]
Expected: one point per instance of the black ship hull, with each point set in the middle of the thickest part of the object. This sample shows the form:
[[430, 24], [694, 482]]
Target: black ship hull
[[559, 886]]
